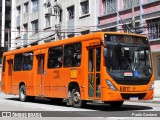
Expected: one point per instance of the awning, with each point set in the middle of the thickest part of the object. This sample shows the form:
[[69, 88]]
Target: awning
[[155, 48]]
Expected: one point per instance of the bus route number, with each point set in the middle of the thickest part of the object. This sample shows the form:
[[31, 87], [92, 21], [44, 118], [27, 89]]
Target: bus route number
[[122, 88]]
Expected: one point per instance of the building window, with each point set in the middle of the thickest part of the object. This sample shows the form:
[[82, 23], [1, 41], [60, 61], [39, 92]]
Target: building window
[[84, 32], [55, 57], [25, 28], [18, 32], [35, 26], [104, 7], [129, 28], [151, 0], [153, 28], [109, 6], [70, 12], [47, 19], [158, 66], [18, 10], [128, 3], [35, 5], [26, 8], [84, 7], [113, 29]]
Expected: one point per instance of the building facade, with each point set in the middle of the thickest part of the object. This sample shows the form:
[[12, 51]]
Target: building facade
[[5, 38], [38, 21], [115, 14]]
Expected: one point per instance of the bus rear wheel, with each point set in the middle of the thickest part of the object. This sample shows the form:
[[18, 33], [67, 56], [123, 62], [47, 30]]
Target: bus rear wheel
[[76, 99], [22, 93]]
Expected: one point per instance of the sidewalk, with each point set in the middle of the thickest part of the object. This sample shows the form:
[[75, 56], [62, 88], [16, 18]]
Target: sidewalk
[[154, 100]]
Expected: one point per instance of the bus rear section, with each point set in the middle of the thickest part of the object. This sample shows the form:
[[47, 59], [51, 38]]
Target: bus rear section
[[128, 73]]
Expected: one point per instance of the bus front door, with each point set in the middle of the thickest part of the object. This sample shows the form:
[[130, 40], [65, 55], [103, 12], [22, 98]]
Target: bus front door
[[94, 59], [39, 75]]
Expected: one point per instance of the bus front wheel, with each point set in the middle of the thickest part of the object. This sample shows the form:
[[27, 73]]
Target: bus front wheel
[[22, 93], [76, 99]]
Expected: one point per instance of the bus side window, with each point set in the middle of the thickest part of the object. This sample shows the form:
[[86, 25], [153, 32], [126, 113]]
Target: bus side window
[[27, 61], [55, 57], [72, 55], [18, 62], [3, 64]]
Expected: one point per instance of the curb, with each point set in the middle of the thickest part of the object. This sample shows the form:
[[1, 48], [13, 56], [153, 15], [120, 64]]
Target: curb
[[150, 101], [156, 100]]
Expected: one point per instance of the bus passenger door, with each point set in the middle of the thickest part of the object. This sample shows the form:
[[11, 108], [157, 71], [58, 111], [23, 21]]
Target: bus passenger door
[[40, 73], [10, 69], [94, 62]]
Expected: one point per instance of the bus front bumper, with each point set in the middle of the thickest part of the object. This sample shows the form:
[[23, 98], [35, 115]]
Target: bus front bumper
[[110, 95]]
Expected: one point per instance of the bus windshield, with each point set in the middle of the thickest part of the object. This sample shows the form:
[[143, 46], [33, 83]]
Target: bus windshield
[[127, 56]]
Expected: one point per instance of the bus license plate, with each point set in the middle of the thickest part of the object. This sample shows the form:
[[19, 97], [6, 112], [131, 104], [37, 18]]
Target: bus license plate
[[133, 99]]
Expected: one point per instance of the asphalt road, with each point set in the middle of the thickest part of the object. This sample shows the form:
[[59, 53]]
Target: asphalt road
[[44, 108]]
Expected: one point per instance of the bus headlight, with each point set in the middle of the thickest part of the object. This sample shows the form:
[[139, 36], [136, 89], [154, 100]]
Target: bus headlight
[[111, 86], [152, 86]]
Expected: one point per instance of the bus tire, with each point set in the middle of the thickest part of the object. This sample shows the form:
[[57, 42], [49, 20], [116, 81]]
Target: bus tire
[[76, 99], [22, 94], [116, 104]]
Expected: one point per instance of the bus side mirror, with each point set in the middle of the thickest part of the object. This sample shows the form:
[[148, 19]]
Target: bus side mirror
[[105, 52]]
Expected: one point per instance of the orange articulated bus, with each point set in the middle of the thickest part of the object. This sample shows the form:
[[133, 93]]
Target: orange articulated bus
[[106, 66]]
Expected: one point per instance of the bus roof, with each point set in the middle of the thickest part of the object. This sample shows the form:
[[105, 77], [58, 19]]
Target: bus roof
[[96, 35]]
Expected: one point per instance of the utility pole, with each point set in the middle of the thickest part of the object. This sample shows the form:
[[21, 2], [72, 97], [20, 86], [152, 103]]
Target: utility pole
[[56, 13], [133, 19], [9, 40]]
